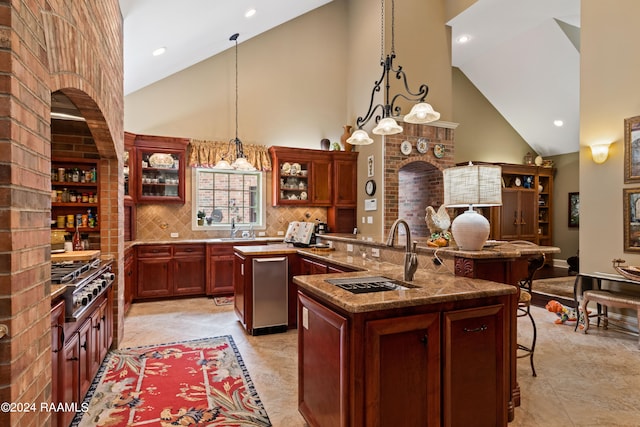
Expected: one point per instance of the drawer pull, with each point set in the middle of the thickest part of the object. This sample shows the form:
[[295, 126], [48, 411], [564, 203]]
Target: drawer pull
[[480, 329], [425, 340]]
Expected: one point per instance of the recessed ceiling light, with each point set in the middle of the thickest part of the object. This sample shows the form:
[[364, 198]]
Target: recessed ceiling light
[[464, 38], [558, 123], [249, 13], [159, 51]]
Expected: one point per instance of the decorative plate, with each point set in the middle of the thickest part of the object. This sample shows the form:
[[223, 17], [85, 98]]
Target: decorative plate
[[438, 150], [295, 169], [216, 215], [161, 160], [286, 168], [422, 145], [405, 148], [303, 195]]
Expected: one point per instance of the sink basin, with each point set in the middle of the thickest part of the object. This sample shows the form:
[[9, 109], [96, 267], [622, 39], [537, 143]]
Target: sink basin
[[361, 285]]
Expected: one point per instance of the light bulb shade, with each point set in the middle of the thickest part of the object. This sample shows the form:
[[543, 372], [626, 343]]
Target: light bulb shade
[[472, 185], [242, 164], [359, 137], [223, 164], [600, 152], [387, 126], [470, 230], [422, 113]]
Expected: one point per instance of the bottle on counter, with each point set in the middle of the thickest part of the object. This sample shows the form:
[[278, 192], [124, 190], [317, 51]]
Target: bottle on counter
[[77, 242]]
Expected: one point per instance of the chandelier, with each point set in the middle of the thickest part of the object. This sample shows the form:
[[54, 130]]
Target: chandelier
[[240, 162], [385, 115]]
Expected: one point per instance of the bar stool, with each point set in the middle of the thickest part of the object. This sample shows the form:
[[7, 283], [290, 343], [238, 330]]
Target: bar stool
[[524, 306]]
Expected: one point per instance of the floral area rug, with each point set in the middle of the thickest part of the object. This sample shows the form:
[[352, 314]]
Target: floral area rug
[[192, 383], [223, 300]]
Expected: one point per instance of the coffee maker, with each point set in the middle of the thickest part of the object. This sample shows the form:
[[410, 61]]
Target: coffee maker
[[321, 227]]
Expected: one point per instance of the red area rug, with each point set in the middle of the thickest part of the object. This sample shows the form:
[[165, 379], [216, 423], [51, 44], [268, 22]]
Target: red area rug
[[193, 383]]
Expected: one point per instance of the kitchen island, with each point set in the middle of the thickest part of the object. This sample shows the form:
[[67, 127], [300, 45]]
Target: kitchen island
[[434, 353]]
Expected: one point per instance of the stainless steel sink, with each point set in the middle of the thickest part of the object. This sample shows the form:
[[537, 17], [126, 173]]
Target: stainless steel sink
[[361, 285]]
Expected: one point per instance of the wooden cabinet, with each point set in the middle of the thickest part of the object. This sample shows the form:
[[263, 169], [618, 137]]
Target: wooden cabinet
[[158, 174], [317, 266], [78, 349], [341, 216], [57, 360], [475, 368], [527, 205], [454, 357], [219, 270], [75, 182], [129, 278], [170, 270]]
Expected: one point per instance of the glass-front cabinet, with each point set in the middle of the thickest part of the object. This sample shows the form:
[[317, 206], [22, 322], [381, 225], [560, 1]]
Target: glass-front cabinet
[[160, 174]]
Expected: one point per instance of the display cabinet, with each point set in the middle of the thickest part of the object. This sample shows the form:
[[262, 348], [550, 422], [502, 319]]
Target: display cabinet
[[74, 194], [159, 171]]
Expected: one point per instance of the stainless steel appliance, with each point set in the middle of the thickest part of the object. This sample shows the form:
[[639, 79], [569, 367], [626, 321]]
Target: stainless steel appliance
[[270, 295], [84, 282]]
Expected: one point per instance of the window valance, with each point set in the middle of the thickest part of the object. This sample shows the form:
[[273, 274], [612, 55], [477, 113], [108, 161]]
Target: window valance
[[205, 154]]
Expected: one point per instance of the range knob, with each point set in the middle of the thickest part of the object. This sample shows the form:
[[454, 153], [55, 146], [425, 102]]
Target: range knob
[[84, 300], [108, 276], [95, 290]]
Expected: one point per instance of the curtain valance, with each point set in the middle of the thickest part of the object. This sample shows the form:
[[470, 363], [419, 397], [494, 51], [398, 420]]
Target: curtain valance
[[205, 154]]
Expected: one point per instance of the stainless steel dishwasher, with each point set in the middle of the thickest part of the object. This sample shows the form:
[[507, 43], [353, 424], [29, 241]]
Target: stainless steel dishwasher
[[270, 295]]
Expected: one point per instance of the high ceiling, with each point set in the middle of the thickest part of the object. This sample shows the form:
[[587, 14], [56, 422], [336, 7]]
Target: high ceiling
[[523, 55]]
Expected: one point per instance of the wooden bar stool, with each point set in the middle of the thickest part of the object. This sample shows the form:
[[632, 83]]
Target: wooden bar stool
[[524, 306]]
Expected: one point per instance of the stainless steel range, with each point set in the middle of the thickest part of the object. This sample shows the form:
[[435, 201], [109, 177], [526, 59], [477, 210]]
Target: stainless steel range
[[84, 282]]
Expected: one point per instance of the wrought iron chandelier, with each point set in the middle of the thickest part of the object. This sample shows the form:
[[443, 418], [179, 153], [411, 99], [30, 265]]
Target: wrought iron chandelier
[[386, 114], [241, 162]]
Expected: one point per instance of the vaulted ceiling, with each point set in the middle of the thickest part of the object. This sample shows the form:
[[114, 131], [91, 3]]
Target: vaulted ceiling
[[523, 55]]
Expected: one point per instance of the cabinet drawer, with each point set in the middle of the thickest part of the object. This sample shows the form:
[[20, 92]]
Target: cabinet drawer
[[154, 251], [188, 250], [223, 249]]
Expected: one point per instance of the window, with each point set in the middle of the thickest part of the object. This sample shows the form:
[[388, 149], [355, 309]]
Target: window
[[221, 196]]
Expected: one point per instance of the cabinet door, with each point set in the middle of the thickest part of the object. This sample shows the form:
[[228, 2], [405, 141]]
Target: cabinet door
[[518, 221], [153, 277], [528, 213], [70, 381], [189, 270], [308, 266], [403, 387], [239, 294], [86, 354], [475, 390], [99, 337], [345, 179], [323, 369], [220, 275], [129, 279], [321, 181], [57, 360]]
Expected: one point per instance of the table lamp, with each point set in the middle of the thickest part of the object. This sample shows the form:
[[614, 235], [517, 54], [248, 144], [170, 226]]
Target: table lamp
[[469, 186]]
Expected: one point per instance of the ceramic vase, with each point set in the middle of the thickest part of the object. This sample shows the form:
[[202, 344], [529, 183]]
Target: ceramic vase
[[344, 137]]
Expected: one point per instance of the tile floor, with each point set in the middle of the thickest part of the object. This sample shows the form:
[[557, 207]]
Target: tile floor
[[583, 380]]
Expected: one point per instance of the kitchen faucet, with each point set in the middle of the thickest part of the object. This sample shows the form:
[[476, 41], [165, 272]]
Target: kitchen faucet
[[410, 256], [234, 230]]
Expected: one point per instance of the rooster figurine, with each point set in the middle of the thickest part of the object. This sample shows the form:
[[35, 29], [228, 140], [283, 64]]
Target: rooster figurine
[[438, 224]]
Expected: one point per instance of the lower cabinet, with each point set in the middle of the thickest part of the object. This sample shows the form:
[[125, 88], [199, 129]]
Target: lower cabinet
[[170, 270], [129, 278], [78, 349], [451, 370]]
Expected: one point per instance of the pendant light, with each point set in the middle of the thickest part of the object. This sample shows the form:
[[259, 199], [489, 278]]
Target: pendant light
[[386, 118]]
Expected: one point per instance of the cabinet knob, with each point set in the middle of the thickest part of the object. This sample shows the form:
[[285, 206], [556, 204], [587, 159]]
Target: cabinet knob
[[84, 346], [425, 340], [97, 326]]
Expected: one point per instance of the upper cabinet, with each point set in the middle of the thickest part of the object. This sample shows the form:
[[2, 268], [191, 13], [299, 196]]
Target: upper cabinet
[[156, 171]]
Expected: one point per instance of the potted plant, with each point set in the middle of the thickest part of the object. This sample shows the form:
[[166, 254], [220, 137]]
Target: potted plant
[[200, 216]]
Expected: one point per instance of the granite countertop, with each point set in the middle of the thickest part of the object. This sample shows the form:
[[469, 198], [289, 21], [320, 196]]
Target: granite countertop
[[208, 240], [426, 288]]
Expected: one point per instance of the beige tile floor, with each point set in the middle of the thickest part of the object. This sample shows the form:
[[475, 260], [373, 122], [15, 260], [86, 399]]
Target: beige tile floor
[[583, 380]]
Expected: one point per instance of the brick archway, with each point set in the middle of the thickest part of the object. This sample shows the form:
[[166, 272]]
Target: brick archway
[[394, 161]]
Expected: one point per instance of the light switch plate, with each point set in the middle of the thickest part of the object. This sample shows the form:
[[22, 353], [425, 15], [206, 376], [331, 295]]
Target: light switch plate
[[175, 235], [369, 220], [349, 247]]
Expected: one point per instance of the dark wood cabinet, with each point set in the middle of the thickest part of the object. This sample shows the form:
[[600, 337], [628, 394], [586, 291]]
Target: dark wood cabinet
[[316, 266], [527, 205], [70, 382], [156, 168], [170, 270], [453, 357], [219, 270], [129, 278], [321, 182], [57, 360]]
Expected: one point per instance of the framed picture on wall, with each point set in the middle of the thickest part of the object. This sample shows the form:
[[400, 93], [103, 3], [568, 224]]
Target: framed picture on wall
[[370, 166], [632, 150], [631, 208], [574, 209]]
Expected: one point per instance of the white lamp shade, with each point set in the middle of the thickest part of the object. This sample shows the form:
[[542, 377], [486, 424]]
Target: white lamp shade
[[223, 164], [359, 137], [422, 113], [477, 185], [242, 164], [470, 230], [387, 126]]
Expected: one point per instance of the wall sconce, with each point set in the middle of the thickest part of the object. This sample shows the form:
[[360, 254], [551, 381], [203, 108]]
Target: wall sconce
[[600, 152]]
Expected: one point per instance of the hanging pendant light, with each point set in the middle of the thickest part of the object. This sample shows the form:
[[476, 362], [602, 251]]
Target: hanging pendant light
[[385, 114], [241, 162]]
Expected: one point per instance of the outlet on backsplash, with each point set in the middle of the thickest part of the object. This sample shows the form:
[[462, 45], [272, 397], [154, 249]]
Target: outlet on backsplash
[[375, 252]]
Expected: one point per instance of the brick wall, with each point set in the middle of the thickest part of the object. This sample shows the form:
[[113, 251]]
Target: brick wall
[[414, 181], [75, 47]]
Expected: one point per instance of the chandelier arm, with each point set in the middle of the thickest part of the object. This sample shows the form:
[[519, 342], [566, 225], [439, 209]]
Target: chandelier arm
[[377, 86]]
